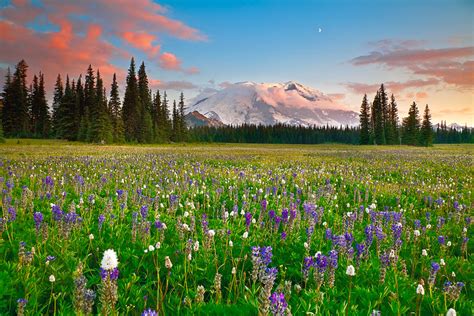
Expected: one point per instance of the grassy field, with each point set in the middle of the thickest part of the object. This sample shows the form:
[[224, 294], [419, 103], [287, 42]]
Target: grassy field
[[235, 229]]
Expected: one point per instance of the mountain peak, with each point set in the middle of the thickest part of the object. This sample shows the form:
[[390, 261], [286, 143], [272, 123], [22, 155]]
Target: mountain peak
[[291, 103]]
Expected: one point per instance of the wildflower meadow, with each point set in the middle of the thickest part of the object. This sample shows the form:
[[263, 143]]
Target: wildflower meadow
[[235, 230]]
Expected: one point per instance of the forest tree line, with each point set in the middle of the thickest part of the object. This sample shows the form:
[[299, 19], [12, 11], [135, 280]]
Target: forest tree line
[[83, 110], [379, 125]]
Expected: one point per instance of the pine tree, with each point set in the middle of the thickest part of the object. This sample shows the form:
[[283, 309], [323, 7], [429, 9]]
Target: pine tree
[[411, 126], [44, 122], [79, 109], [183, 129], [165, 123], [33, 105], [426, 132], [16, 113], [156, 118], [101, 126], [393, 135], [57, 99], [384, 108], [146, 124], [364, 118], [131, 106], [90, 107], [175, 119], [68, 111], [116, 113], [7, 107], [377, 119]]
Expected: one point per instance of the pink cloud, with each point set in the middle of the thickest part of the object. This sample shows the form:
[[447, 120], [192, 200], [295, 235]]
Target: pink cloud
[[169, 61], [395, 87], [142, 41], [76, 43], [449, 65], [172, 85]]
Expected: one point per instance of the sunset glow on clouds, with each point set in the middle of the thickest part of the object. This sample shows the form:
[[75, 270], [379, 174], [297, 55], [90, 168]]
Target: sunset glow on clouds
[[427, 56], [54, 37]]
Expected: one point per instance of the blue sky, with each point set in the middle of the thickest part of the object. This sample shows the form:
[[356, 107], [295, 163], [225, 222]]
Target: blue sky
[[278, 41]]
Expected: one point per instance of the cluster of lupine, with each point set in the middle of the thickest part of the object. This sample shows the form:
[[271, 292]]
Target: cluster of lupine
[[213, 230]]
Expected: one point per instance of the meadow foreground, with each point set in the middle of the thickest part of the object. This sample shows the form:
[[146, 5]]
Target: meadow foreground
[[235, 229]]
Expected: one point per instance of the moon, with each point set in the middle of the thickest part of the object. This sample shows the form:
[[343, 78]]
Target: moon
[[320, 30]]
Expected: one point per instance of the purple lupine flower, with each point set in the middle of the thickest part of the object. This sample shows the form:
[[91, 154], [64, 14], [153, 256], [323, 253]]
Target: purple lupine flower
[[101, 220], [360, 249], [11, 214], [307, 264], [441, 240], [333, 257], [248, 219], [369, 235], [50, 258], [149, 312], [144, 211], [434, 270], [48, 181], [158, 224], [321, 262], [57, 213], [38, 218], [264, 204], [119, 193], [283, 235], [114, 274], [328, 233], [417, 223], [266, 255], [278, 304], [385, 259], [284, 215], [271, 214]]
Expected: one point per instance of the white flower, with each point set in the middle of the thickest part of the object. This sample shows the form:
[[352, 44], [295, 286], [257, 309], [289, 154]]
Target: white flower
[[91, 237], [451, 312], [453, 274], [145, 251], [186, 214], [428, 226], [325, 224], [109, 260], [52, 279], [350, 271], [151, 248], [441, 262], [234, 270], [306, 246], [448, 244], [164, 226], [245, 235], [464, 230], [168, 263], [158, 245], [196, 246], [231, 244], [211, 233], [420, 289], [190, 256], [254, 220], [416, 232], [186, 227], [424, 253]]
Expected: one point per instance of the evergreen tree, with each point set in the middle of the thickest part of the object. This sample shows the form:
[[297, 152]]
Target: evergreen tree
[[145, 125], [183, 129], [364, 118], [116, 113], [156, 118], [175, 119], [79, 109], [165, 123], [131, 106], [392, 136], [90, 113], [378, 125], [384, 108], [16, 113], [426, 132], [57, 99], [68, 112], [40, 119], [7, 106], [411, 126], [101, 126]]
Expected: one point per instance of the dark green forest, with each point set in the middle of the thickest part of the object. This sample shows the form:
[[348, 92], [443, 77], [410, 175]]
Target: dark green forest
[[83, 110]]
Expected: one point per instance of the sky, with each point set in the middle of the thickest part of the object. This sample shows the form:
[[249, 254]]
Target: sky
[[422, 51]]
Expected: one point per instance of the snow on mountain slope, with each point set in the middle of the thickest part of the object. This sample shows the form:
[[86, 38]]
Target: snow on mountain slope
[[272, 103]]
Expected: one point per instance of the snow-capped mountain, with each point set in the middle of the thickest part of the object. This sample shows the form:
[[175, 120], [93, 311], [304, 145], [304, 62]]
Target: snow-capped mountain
[[271, 103]]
